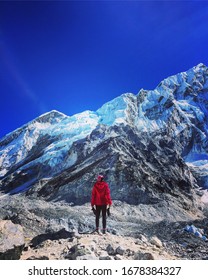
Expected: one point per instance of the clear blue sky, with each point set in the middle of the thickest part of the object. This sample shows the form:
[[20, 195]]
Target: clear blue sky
[[76, 55]]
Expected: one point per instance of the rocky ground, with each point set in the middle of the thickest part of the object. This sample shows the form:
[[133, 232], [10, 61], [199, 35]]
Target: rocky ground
[[99, 246], [60, 231]]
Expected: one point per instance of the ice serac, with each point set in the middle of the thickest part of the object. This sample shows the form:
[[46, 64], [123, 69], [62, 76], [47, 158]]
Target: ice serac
[[150, 146], [121, 110]]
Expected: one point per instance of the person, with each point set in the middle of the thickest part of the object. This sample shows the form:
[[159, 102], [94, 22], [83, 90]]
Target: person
[[100, 198]]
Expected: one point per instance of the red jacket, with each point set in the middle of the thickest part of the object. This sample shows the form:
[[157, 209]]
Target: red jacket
[[101, 194]]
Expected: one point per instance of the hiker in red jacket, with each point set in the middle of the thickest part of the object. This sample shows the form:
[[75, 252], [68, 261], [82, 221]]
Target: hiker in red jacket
[[100, 199]]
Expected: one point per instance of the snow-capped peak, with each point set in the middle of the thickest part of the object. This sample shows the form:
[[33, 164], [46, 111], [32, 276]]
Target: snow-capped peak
[[179, 101], [52, 117]]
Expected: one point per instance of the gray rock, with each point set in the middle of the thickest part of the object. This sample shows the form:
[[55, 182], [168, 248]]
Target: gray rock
[[142, 238], [87, 257], [12, 240], [120, 250], [117, 258], [154, 240], [105, 257], [110, 250], [143, 256], [77, 251]]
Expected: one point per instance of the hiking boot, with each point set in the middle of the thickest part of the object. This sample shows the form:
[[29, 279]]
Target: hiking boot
[[97, 231]]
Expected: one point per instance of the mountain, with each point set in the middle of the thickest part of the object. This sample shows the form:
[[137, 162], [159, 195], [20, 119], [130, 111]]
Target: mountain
[[147, 145], [152, 149]]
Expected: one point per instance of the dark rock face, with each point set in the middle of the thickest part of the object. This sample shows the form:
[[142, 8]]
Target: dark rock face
[[137, 172], [11, 240]]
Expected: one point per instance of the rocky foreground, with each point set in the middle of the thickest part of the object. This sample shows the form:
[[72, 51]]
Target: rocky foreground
[[33, 229]]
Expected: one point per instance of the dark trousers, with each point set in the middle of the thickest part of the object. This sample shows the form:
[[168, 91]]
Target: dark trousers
[[99, 209]]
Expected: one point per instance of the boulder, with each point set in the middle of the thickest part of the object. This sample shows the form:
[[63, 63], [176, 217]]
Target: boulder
[[12, 240], [142, 238], [104, 256], [78, 251], [110, 250], [87, 257], [120, 250], [144, 256], [154, 240]]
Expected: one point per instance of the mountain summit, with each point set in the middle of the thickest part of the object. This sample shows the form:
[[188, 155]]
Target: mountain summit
[[148, 146]]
